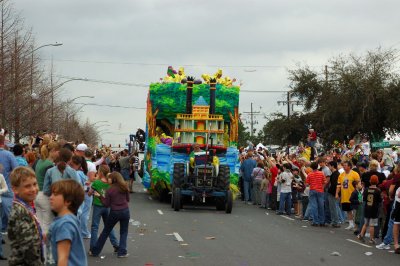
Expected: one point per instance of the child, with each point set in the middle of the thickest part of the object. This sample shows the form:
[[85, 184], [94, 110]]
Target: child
[[24, 231], [356, 200], [117, 198], [64, 237], [99, 210], [372, 199], [264, 189], [297, 189], [79, 164]]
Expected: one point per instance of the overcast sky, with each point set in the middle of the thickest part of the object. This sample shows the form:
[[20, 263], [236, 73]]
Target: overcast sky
[[134, 42]]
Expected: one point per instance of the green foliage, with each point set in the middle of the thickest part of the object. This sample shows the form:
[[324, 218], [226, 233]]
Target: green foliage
[[357, 94], [157, 176], [243, 133], [281, 131], [233, 144], [151, 145], [170, 99], [234, 179]]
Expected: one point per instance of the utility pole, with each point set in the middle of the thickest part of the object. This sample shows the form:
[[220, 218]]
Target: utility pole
[[289, 102], [251, 118], [326, 74]]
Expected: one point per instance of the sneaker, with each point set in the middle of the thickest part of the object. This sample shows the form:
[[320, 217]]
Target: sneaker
[[90, 253], [361, 238], [116, 248], [383, 246], [350, 227], [123, 255]]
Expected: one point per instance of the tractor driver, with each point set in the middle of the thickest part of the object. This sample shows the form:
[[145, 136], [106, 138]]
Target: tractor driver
[[196, 149]]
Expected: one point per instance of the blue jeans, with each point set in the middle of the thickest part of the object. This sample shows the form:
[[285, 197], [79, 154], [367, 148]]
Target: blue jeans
[[83, 215], [333, 209], [1, 236], [100, 212], [121, 216], [125, 173], [327, 212], [247, 190], [7, 199], [285, 198], [389, 234], [317, 207], [342, 215]]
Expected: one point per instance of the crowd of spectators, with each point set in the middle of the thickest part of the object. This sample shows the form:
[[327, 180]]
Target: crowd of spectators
[[49, 186], [349, 185]]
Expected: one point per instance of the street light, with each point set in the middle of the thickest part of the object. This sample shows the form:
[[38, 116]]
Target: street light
[[105, 125], [70, 101], [32, 57], [103, 121], [44, 45], [52, 96]]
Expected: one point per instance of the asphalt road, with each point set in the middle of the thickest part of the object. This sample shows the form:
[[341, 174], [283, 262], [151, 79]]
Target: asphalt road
[[248, 236]]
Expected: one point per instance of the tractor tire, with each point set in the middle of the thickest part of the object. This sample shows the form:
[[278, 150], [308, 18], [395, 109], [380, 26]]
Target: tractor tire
[[228, 202], [220, 203], [224, 178], [177, 199], [178, 174]]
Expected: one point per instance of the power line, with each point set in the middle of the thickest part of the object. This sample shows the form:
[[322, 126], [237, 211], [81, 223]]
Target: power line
[[112, 106], [255, 91], [164, 64], [108, 82], [146, 86]]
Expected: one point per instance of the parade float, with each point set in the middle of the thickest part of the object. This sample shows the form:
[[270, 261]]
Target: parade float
[[181, 112]]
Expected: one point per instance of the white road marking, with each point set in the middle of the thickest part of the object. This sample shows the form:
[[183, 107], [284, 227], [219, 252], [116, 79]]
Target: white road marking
[[353, 241], [150, 198], [160, 212], [178, 237], [287, 217]]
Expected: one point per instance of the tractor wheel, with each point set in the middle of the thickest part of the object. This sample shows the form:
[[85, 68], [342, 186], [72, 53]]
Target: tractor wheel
[[224, 178], [220, 203], [177, 199], [178, 174], [229, 201]]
